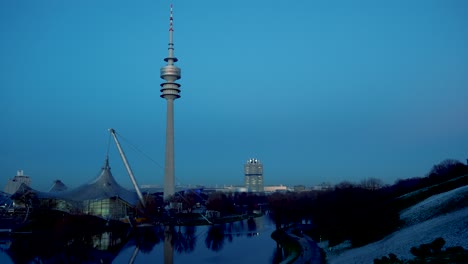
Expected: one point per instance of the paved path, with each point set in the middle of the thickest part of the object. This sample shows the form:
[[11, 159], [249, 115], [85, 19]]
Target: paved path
[[310, 250]]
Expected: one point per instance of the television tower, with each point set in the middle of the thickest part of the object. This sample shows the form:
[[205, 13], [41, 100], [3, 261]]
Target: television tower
[[170, 91]]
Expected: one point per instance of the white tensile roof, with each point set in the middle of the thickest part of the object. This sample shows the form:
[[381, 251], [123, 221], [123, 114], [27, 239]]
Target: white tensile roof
[[103, 187]]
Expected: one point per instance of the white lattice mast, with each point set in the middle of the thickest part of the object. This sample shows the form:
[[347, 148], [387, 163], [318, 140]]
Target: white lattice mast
[[170, 91]]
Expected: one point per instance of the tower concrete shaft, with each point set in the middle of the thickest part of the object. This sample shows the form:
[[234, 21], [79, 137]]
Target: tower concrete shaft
[[170, 91], [169, 164]]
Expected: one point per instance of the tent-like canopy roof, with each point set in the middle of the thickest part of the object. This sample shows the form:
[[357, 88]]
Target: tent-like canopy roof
[[103, 187], [58, 186], [24, 189]]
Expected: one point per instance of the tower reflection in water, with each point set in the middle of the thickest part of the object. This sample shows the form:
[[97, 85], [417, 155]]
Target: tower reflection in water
[[104, 247], [180, 239], [183, 239], [168, 248]]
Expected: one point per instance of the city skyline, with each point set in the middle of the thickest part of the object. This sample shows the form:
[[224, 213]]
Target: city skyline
[[319, 92]]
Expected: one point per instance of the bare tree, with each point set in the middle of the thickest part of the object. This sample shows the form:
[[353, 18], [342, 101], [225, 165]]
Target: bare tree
[[372, 184], [445, 167], [344, 185]]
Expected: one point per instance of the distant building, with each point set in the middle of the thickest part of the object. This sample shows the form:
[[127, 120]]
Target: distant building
[[299, 188], [275, 188], [232, 188], [253, 171], [13, 184], [322, 187]]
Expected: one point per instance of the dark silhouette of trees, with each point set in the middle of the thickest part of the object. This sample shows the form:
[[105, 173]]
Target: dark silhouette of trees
[[147, 238], [429, 253], [404, 186], [347, 212], [446, 170], [215, 238], [183, 242], [372, 184], [235, 202], [153, 205], [355, 213], [188, 199], [280, 208], [362, 212], [219, 201], [391, 259]]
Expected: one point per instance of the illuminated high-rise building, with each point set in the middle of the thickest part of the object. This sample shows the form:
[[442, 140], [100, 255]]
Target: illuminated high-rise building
[[253, 171]]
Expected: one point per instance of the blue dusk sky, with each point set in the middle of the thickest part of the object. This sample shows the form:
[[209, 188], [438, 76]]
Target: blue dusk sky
[[318, 91]]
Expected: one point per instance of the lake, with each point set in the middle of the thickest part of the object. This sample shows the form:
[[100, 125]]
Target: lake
[[246, 241]]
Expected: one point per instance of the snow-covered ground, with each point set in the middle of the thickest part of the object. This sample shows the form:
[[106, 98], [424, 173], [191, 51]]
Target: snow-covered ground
[[425, 222], [435, 205]]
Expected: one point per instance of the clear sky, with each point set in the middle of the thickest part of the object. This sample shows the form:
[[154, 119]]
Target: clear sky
[[319, 91]]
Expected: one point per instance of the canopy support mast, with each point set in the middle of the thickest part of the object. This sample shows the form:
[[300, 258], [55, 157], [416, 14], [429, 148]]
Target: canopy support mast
[[127, 166]]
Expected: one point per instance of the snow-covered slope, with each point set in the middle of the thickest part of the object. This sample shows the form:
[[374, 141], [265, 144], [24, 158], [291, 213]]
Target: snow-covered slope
[[436, 205], [438, 216]]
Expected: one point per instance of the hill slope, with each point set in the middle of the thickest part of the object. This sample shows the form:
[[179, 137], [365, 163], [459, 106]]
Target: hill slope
[[444, 215]]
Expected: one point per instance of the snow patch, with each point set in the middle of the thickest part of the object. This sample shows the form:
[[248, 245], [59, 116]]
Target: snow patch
[[435, 206], [425, 222]]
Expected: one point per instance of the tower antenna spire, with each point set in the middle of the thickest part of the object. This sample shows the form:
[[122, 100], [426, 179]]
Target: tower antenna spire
[[170, 20], [170, 58]]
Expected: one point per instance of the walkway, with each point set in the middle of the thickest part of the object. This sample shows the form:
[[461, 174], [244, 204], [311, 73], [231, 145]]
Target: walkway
[[310, 251]]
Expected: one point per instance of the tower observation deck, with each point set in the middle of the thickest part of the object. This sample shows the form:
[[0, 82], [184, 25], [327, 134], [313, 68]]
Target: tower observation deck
[[170, 91]]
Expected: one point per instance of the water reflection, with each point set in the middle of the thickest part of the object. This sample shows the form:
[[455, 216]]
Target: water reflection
[[178, 240], [218, 234], [184, 242], [182, 239], [215, 238], [146, 238], [81, 248], [168, 244]]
